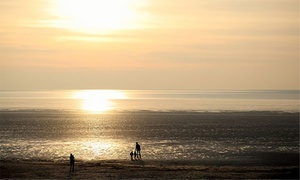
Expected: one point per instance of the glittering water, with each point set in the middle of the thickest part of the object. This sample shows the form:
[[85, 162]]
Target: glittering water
[[53, 135], [153, 100], [168, 124]]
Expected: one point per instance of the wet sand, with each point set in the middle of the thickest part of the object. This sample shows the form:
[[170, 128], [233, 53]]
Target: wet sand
[[143, 169]]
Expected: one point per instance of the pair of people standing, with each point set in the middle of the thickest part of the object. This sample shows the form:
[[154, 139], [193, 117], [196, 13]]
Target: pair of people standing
[[137, 152]]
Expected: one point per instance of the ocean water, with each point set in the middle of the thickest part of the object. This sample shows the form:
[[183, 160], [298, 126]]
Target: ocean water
[[152, 100], [169, 125]]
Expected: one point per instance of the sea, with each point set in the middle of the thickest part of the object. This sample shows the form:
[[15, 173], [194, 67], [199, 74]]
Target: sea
[[176, 125]]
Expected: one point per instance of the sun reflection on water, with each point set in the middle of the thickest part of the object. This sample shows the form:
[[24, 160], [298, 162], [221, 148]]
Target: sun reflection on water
[[97, 148], [98, 101]]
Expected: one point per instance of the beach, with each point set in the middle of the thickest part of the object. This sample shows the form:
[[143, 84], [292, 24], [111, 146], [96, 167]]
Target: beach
[[175, 145], [143, 169], [141, 89]]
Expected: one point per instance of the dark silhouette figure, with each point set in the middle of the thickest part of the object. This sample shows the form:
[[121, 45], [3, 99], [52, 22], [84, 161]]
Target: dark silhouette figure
[[72, 161], [138, 150], [134, 155], [131, 154]]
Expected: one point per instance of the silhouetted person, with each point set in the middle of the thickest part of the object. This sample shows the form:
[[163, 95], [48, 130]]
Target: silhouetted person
[[131, 154], [138, 150], [134, 155], [72, 161]]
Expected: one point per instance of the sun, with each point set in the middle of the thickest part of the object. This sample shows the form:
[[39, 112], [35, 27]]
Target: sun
[[98, 101], [97, 16]]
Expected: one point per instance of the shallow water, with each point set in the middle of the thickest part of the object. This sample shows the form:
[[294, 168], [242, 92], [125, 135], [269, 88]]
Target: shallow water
[[227, 136], [153, 100]]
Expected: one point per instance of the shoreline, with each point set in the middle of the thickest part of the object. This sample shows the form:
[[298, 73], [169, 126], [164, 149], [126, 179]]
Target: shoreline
[[143, 169], [244, 157]]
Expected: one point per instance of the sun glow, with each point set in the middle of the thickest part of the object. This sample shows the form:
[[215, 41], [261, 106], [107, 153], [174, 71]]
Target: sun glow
[[98, 101], [97, 148], [97, 16]]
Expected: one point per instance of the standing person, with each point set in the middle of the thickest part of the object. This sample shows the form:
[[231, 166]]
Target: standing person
[[72, 161], [131, 154], [134, 155], [138, 150]]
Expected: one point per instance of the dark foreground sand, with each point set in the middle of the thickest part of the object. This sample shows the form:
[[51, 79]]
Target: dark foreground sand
[[122, 169]]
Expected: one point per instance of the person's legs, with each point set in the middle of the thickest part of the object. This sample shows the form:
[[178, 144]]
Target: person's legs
[[71, 167]]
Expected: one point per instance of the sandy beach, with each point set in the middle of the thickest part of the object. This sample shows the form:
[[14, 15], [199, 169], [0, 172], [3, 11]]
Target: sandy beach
[[126, 169], [245, 145]]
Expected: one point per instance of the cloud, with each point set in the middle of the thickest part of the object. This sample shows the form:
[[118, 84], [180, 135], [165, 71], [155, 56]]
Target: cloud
[[184, 44]]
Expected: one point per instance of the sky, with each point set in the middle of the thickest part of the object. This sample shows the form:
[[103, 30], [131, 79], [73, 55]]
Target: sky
[[149, 44]]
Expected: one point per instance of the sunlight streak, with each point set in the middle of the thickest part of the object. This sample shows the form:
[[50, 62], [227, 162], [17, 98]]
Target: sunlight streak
[[97, 148], [98, 101]]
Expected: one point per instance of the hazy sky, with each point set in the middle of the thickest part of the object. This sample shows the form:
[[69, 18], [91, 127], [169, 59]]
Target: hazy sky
[[149, 44]]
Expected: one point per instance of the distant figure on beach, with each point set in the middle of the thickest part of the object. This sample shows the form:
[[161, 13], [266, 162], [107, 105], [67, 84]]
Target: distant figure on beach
[[72, 161], [131, 154], [138, 150], [134, 155]]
